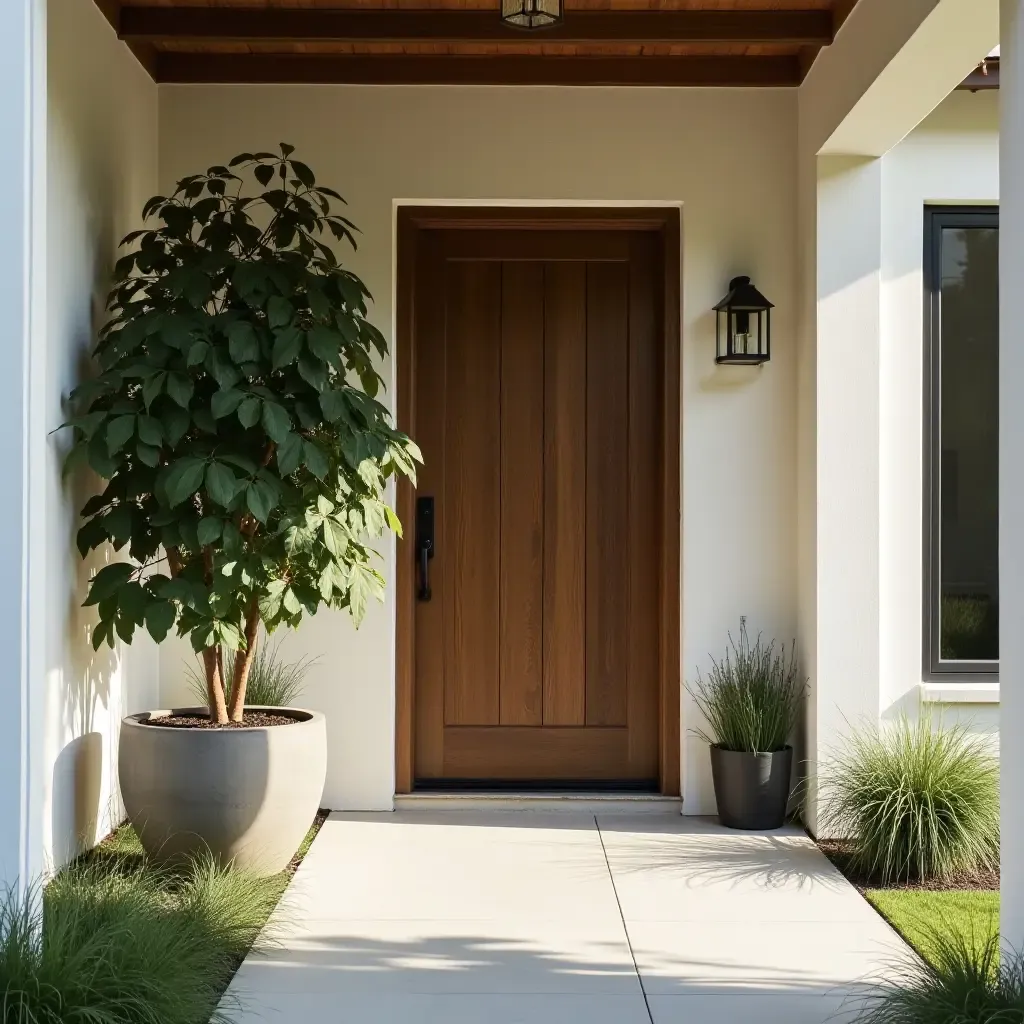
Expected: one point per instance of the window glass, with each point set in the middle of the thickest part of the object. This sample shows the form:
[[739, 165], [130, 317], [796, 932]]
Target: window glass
[[968, 440]]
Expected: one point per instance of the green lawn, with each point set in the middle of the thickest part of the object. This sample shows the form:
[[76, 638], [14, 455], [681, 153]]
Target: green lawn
[[916, 914]]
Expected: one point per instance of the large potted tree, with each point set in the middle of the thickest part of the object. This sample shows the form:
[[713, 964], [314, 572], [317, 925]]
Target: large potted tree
[[234, 419]]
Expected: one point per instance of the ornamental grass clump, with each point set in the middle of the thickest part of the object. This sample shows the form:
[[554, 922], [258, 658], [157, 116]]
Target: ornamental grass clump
[[751, 699], [127, 943], [916, 801], [273, 681], [234, 419], [960, 983]]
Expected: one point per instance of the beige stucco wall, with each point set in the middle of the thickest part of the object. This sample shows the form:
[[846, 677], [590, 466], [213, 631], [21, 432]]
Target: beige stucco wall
[[726, 156], [101, 167]]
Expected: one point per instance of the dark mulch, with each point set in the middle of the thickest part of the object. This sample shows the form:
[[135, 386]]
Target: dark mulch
[[838, 851], [249, 720]]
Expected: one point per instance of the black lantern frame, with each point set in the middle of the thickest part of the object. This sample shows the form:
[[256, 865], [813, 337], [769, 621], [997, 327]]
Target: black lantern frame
[[743, 329], [530, 14]]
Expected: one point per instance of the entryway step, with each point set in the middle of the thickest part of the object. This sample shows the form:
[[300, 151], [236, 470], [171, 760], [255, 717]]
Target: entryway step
[[588, 803]]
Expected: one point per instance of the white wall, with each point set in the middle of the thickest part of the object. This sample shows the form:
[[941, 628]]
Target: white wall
[[102, 150], [951, 157], [380, 145]]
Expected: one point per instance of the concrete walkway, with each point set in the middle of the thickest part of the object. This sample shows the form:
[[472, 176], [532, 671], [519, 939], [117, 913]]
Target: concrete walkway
[[466, 917]]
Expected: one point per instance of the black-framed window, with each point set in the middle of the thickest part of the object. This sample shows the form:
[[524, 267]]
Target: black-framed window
[[961, 500]]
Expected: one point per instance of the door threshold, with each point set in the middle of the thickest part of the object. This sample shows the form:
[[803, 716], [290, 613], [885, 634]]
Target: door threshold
[[551, 800]]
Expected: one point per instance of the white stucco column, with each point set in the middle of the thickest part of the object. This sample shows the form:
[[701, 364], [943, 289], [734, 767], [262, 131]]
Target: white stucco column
[[840, 365], [1011, 467], [22, 431]]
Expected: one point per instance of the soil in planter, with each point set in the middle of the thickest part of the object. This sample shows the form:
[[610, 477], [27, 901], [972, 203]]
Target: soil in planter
[[250, 720], [838, 851]]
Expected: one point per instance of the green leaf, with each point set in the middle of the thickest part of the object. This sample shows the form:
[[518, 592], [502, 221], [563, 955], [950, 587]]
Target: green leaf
[[148, 454], [152, 386], [302, 171], [118, 431], [259, 498], [263, 173], [363, 583], [315, 460], [197, 353], [175, 422], [180, 388], [334, 405], [209, 528], [279, 311], [393, 521], [324, 343], [287, 345], [291, 602], [222, 483], [108, 581], [184, 478], [313, 372], [243, 343], [160, 616], [249, 411], [276, 422], [289, 454], [150, 431], [335, 537], [224, 403]]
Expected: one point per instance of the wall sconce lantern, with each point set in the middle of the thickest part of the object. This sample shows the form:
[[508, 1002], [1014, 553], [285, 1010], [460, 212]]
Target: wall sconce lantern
[[743, 329], [531, 13]]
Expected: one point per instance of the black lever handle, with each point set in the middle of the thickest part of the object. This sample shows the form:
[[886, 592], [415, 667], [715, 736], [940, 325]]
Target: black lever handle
[[424, 544], [426, 553]]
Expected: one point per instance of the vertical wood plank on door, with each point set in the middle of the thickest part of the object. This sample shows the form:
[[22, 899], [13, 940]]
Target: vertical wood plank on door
[[428, 303], [607, 444], [521, 626], [644, 512], [565, 493], [472, 491]]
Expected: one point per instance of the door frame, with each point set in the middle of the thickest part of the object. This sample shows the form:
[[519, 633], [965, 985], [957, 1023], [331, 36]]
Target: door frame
[[663, 221]]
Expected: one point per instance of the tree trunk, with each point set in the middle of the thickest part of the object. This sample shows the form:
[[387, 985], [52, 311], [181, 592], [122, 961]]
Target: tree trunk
[[243, 662], [215, 687]]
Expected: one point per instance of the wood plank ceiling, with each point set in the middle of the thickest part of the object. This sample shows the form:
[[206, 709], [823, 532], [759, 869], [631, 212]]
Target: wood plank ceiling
[[598, 42]]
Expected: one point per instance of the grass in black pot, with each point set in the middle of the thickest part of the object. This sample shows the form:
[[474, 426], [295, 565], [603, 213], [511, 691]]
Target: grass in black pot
[[751, 701]]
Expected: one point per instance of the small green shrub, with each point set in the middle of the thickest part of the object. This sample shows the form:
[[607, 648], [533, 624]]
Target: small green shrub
[[272, 680], [917, 801], [960, 984], [120, 943], [751, 699]]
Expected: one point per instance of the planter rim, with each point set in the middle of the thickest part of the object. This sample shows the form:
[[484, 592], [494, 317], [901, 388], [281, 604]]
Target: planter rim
[[302, 716], [752, 753]]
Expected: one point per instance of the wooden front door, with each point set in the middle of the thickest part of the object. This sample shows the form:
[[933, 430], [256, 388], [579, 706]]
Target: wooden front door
[[539, 409]]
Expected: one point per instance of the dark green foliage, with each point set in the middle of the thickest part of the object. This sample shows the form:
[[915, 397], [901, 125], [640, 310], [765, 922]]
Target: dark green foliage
[[958, 985], [752, 699], [124, 943], [234, 414], [917, 801]]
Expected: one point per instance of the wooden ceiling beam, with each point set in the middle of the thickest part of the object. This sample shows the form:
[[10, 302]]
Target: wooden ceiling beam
[[291, 25], [417, 69]]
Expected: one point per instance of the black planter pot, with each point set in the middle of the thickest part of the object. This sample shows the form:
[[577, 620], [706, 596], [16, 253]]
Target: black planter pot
[[752, 790]]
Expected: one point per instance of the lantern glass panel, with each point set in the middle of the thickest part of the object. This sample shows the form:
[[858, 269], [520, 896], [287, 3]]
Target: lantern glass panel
[[531, 13]]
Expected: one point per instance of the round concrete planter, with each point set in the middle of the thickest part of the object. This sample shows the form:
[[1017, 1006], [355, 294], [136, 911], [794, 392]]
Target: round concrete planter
[[752, 790], [247, 795]]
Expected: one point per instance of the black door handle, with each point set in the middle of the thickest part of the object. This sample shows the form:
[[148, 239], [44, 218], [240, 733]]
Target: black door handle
[[424, 544]]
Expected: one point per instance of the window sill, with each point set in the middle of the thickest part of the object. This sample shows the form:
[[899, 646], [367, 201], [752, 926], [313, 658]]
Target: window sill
[[960, 693]]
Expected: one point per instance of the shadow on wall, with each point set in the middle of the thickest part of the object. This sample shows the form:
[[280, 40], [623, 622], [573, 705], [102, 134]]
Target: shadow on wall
[[85, 705]]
